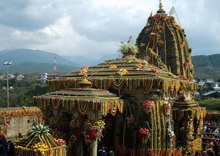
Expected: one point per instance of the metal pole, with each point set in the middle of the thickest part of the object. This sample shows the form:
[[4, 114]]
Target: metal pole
[[7, 86]]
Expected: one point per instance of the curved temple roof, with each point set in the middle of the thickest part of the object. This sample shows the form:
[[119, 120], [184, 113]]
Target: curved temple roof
[[168, 42], [128, 71]]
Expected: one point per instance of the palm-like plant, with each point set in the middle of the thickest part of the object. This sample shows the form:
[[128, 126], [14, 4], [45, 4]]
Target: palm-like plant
[[128, 48], [39, 130]]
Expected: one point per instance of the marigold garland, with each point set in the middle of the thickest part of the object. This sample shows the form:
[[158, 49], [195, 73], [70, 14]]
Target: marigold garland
[[118, 83], [81, 104], [21, 114]]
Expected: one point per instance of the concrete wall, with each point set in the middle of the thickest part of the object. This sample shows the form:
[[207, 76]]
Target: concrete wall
[[20, 125]]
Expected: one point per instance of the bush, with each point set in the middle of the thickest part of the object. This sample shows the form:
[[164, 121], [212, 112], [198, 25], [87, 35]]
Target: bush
[[210, 104]]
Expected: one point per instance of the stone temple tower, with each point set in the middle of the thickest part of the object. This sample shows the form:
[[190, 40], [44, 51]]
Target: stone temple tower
[[163, 43]]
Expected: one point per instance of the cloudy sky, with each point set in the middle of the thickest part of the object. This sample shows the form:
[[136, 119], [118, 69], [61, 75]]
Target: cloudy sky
[[96, 27]]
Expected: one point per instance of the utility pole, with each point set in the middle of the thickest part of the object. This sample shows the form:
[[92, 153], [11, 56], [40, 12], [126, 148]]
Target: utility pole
[[7, 63]]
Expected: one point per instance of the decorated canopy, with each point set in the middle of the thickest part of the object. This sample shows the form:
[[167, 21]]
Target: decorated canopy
[[185, 104], [125, 72], [82, 99], [40, 143]]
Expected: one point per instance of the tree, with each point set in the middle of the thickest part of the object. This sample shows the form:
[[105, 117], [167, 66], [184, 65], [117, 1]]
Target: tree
[[23, 91]]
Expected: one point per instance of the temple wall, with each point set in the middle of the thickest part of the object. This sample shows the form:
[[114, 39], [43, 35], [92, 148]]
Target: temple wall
[[20, 125], [17, 120]]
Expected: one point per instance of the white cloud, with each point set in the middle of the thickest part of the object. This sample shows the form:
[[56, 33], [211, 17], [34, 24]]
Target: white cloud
[[64, 40]]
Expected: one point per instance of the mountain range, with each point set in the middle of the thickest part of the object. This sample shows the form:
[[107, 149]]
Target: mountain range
[[27, 60], [27, 55], [89, 61]]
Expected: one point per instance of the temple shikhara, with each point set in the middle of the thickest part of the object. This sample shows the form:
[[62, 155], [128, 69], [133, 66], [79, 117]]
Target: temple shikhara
[[140, 104]]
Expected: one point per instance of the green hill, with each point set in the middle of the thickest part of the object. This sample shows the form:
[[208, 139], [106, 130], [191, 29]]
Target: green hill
[[207, 66], [38, 67]]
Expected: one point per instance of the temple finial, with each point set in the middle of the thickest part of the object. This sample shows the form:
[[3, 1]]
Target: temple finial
[[160, 4], [160, 7]]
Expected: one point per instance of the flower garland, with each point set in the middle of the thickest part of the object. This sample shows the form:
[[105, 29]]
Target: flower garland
[[148, 84], [118, 83], [30, 113], [147, 106], [21, 114], [17, 113], [40, 147], [122, 72], [112, 67], [167, 109], [144, 135], [11, 114], [75, 127], [83, 106], [61, 142], [139, 67], [92, 130]]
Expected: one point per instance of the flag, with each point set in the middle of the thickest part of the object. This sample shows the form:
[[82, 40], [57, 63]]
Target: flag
[[172, 11]]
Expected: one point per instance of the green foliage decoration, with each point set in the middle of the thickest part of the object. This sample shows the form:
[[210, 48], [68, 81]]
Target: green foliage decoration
[[128, 47], [39, 130]]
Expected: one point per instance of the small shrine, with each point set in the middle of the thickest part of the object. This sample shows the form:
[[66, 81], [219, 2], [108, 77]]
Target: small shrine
[[39, 142], [140, 104], [85, 106]]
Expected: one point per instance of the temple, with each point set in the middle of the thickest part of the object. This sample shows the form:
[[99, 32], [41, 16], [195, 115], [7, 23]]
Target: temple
[[141, 104], [167, 39]]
